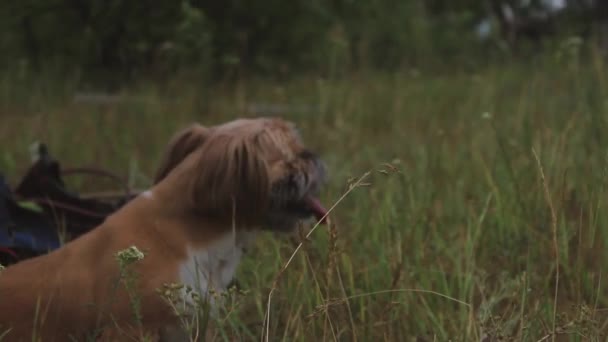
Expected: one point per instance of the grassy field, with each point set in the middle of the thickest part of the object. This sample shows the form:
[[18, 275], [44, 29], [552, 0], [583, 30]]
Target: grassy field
[[493, 227]]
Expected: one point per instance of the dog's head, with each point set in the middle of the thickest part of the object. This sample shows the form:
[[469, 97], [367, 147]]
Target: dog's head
[[253, 171]]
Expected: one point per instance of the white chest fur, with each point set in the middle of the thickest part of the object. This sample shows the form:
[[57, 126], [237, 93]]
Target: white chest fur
[[210, 269]]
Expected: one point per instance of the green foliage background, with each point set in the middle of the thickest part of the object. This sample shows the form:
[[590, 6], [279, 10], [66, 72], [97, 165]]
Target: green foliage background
[[95, 38]]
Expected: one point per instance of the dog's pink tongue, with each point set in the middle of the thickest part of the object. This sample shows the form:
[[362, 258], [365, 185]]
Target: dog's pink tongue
[[317, 208]]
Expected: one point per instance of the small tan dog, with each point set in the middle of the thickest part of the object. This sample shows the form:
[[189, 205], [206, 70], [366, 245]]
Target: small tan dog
[[215, 188]]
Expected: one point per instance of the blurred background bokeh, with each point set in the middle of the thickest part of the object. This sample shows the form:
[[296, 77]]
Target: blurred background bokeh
[[108, 42]]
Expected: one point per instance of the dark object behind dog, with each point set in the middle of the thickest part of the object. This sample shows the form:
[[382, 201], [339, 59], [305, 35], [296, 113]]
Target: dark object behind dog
[[40, 211]]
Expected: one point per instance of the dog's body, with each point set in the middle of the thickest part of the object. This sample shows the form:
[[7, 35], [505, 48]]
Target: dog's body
[[215, 189]]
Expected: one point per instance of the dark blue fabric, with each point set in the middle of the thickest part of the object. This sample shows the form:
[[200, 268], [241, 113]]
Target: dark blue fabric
[[23, 228]]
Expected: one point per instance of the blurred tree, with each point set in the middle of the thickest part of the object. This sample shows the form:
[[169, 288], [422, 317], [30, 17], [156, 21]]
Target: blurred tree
[[106, 37]]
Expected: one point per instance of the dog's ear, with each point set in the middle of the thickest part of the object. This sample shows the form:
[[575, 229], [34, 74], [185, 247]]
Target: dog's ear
[[180, 146], [231, 178]]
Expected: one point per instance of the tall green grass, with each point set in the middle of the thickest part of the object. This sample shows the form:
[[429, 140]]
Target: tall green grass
[[499, 197]]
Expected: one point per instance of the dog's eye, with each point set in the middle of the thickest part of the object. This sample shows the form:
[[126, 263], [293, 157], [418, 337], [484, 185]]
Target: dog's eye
[[306, 154]]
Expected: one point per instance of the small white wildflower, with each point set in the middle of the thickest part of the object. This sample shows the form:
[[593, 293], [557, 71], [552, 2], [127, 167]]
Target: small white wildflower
[[130, 255]]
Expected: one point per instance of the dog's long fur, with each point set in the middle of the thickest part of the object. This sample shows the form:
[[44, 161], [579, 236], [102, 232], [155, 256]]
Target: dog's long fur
[[215, 187]]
